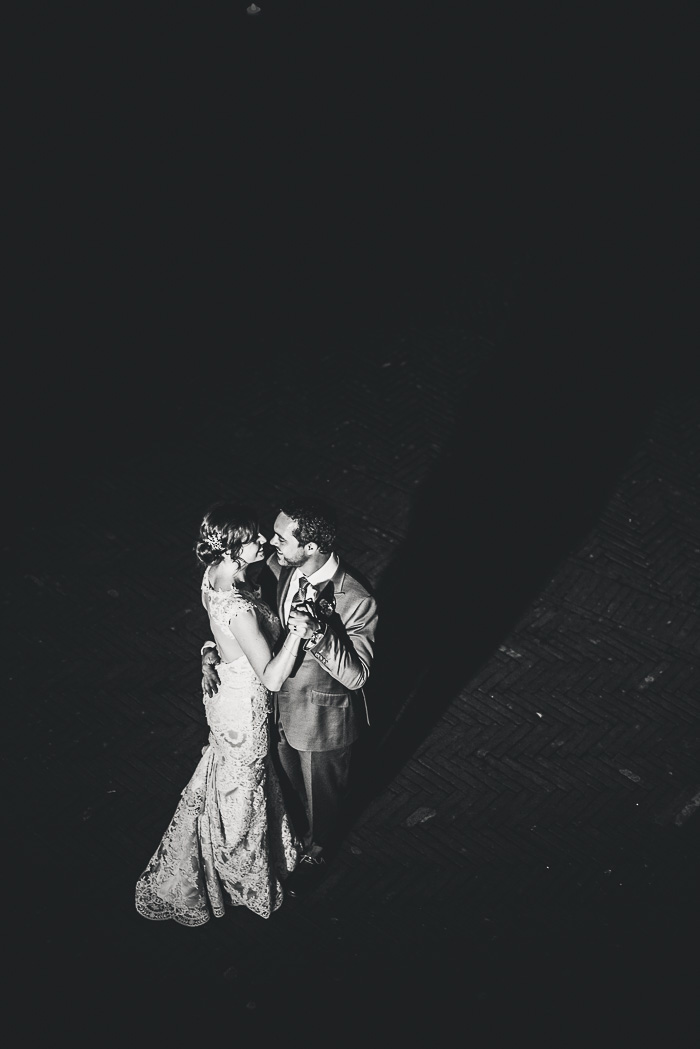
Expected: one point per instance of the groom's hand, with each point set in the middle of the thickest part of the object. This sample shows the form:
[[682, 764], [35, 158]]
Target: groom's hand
[[302, 624], [210, 677]]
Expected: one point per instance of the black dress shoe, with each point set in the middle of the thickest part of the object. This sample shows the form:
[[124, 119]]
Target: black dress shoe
[[306, 876]]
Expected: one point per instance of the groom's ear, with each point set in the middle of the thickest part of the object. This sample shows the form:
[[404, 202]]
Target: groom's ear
[[311, 548]]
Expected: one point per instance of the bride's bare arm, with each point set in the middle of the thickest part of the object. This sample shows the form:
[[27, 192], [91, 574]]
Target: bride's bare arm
[[273, 671]]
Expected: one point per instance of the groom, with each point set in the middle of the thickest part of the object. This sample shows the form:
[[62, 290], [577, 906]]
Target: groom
[[321, 709]]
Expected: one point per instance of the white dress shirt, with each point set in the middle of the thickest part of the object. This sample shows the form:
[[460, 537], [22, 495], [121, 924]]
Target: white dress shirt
[[326, 571]]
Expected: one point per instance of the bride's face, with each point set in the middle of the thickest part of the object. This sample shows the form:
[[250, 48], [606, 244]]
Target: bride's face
[[254, 550]]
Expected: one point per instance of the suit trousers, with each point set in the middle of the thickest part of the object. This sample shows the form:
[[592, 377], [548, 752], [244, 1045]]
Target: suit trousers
[[315, 784]]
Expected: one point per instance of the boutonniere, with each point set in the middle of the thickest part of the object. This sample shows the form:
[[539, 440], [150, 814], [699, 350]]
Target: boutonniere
[[326, 606], [315, 603]]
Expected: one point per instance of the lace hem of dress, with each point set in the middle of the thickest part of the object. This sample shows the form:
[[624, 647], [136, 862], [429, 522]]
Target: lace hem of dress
[[229, 843]]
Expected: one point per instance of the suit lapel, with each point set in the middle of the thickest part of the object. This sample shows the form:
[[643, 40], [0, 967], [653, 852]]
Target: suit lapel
[[334, 584], [337, 579]]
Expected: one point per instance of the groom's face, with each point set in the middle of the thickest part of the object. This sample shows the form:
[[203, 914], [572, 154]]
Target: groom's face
[[289, 551]]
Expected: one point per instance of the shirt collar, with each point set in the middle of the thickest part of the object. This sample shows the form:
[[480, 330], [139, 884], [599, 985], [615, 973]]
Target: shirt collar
[[326, 571]]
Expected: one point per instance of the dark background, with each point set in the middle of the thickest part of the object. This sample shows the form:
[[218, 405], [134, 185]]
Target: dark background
[[205, 202], [202, 197]]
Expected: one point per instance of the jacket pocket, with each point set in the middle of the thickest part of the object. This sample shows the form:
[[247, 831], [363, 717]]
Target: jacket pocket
[[330, 699]]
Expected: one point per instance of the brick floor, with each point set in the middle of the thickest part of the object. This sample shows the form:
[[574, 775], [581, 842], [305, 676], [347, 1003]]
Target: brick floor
[[516, 474], [531, 788]]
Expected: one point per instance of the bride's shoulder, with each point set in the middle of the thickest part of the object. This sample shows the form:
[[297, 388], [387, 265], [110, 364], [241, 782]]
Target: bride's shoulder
[[237, 602], [225, 603]]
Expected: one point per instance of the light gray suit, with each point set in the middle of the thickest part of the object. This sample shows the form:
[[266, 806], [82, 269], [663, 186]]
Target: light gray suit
[[321, 709]]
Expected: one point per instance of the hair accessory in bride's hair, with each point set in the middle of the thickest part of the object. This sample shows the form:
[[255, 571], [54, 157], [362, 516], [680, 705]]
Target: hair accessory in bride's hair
[[215, 542]]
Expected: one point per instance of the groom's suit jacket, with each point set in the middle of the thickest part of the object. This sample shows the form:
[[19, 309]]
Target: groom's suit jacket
[[322, 706]]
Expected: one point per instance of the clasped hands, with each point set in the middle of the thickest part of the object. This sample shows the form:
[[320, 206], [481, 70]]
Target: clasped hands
[[302, 624]]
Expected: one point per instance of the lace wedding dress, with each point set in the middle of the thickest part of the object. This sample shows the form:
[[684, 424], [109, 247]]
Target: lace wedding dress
[[230, 840]]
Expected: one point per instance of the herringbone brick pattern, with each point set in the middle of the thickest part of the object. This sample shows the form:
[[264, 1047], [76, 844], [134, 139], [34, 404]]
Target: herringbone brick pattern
[[553, 787], [410, 256]]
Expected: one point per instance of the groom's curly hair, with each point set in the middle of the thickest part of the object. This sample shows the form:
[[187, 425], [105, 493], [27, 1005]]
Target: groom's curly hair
[[315, 522]]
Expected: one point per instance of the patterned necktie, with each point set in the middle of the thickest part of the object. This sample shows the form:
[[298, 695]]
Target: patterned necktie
[[300, 595]]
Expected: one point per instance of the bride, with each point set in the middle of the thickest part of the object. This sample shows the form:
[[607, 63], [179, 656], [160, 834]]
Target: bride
[[230, 841]]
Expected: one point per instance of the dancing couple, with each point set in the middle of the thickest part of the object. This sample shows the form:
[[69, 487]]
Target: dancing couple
[[284, 701]]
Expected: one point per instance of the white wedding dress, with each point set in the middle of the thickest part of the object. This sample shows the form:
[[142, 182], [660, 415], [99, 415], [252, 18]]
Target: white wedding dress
[[230, 841]]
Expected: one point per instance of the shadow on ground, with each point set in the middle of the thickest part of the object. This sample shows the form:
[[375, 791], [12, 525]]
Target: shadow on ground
[[550, 423]]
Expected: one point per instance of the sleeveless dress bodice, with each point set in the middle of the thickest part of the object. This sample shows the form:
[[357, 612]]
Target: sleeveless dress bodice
[[223, 605]]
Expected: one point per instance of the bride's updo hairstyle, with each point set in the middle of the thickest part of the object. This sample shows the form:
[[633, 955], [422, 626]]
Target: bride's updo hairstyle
[[225, 528]]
